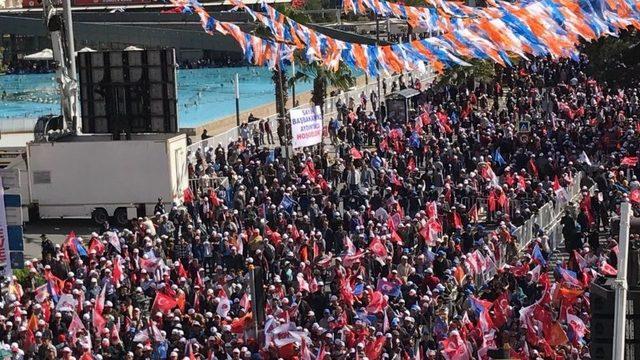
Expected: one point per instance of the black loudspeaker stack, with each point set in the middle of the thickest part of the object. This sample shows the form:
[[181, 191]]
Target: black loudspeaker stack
[[128, 91], [602, 321]]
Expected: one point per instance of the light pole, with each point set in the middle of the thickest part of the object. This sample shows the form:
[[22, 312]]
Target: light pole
[[293, 84], [71, 56], [237, 84], [620, 317], [378, 78]]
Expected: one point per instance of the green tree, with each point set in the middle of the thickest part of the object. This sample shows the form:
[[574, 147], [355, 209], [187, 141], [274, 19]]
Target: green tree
[[615, 59], [323, 78], [480, 70]]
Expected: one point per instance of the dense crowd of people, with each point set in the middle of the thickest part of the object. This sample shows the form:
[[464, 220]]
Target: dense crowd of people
[[395, 241], [27, 67]]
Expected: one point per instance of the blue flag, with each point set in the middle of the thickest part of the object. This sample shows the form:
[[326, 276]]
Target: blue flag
[[497, 157], [271, 157], [287, 203], [537, 255], [389, 288], [414, 140], [440, 328], [81, 250], [430, 255], [477, 305], [358, 289]]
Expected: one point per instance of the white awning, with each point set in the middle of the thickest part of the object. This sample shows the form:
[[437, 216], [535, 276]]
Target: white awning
[[43, 55]]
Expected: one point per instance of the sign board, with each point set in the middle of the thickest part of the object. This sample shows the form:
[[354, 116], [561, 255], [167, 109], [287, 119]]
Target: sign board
[[17, 259], [14, 215], [15, 238], [524, 126], [306, 126], [10, 178]]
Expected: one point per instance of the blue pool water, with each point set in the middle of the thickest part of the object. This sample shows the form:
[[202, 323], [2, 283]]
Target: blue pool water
[[203, 94]]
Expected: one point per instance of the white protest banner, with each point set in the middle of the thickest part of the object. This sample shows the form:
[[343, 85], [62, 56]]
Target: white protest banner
[[66, 303], [306, 126], [4, 235]]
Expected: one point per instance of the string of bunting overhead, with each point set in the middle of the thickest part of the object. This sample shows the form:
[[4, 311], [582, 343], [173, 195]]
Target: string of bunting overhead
[[533, 28], [257, 51], [439, 16]]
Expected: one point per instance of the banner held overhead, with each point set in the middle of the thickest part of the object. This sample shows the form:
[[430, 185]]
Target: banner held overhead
[[306, 126]]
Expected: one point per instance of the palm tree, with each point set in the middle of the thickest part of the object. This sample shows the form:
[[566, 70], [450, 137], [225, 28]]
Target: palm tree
[[280, 82], [480, 70], [323, 78]]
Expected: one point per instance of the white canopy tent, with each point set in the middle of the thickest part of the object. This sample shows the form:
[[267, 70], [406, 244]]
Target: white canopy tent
[[43, 55], [86, 49]]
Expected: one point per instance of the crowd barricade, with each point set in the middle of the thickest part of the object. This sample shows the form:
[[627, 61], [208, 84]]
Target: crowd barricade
[[547, 218], [200, 185]]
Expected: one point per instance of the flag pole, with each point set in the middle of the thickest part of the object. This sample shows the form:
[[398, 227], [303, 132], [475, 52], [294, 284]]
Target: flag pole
[[254, 305], [621, 283]]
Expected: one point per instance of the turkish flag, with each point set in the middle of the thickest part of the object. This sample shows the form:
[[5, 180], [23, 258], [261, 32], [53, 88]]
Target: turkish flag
[[454, 347], [164, 302], [181, 270], [432, 210], [97, 245], [635, 196], [411, 165], [238, 325], [426, 234], [355, 153], [457, 221], [117, 271], [556, 183], [501, 310], [608, 270], [378, 248], [223, 307], [533, 167], [629, 161], [554, 334], [99, 322], [377, 303], [492, 201], [245, 303], [396, 238], [373, 350], [187, 196]]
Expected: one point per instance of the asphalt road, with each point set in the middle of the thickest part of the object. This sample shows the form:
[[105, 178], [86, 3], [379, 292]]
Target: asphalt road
[[56, 230]]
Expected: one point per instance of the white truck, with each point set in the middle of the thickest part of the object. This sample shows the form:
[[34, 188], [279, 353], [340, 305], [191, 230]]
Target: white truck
[[92, 176]]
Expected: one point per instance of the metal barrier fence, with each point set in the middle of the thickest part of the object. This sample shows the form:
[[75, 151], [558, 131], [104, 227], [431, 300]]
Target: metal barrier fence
[[199, 186], [329, 110], [546, 219]]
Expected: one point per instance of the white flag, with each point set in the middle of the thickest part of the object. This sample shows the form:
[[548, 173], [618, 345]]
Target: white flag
[[584, 158]]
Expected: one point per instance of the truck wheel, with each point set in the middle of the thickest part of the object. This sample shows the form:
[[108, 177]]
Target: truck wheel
[[120, 217], [100, 216]]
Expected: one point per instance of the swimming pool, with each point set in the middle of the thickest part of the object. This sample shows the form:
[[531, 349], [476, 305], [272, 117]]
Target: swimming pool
[[203, 94]]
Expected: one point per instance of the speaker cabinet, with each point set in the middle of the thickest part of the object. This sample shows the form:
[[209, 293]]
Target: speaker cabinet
[[128, 91], [602, 321]]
